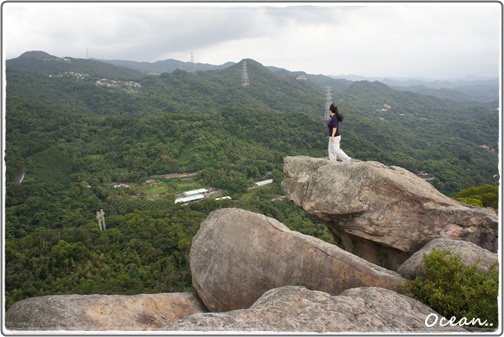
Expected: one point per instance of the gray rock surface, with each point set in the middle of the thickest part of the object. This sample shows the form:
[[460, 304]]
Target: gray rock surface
[[238, 255], [101, 312], [383, 213], [297, 309], [468, 252]]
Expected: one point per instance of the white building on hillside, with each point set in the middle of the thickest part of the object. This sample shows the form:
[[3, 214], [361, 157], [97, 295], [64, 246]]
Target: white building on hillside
[[194, 192], [195, 197], [262, 183]]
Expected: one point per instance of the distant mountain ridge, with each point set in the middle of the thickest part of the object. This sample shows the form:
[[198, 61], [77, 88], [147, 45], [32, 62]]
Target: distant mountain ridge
[[411, 81], [166, 66], [42, 62], [469, 88], [464, 89]]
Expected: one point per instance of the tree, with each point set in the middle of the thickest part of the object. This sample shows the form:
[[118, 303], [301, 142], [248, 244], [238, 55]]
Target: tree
[[454, 289], [482, 196]]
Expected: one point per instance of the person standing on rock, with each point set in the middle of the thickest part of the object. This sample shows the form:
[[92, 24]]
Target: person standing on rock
[[334, 149]]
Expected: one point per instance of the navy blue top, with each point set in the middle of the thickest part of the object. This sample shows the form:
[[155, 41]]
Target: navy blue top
[[333, 123]]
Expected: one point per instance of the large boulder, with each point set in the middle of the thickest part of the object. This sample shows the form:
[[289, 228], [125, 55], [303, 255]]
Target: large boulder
[[237, 255], [297, 309], [468, 252], [383, 213], [101, 312]]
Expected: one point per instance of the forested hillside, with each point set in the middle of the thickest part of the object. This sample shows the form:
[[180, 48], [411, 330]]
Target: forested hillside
[[76, 131]]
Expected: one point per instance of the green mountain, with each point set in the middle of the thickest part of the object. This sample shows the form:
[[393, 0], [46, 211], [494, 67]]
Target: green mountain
[[42, 62], [413, 129], [74, 138]]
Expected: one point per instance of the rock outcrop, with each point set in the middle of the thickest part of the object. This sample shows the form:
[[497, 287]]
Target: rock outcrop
[[297, 309], [101, 312], [238, 255], [468, 252], [383, 213]]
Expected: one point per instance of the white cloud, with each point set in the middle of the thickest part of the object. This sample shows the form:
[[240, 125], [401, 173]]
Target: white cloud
[[373, 39]]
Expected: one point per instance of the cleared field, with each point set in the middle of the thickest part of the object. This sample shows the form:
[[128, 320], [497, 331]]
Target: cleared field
[[158, 188]]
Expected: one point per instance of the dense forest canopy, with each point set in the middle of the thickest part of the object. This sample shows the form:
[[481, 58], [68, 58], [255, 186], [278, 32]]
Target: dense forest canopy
[[77, 128]]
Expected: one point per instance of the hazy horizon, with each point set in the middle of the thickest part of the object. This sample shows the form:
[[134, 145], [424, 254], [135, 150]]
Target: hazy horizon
[[467, 77]]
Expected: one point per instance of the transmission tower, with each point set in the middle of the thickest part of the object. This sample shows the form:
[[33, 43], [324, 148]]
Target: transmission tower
[[100, 216], [328, 102], [245, 77], [192, 62]]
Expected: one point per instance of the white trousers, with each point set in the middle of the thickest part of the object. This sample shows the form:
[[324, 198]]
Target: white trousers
[[335, 151]]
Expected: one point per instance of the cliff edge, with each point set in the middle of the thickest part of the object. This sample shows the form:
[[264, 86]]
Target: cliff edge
[[382, 213]]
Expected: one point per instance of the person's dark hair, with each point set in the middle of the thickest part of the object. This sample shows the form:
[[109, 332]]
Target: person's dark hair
[[338, 114]]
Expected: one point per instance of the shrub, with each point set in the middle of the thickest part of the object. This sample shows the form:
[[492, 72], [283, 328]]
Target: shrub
[[455, 289], [482, 196]]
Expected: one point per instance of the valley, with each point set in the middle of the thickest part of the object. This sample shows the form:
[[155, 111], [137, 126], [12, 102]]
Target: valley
[[73, 139]]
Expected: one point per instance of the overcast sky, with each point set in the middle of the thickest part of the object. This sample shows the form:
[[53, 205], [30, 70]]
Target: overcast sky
[[385, 39]]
